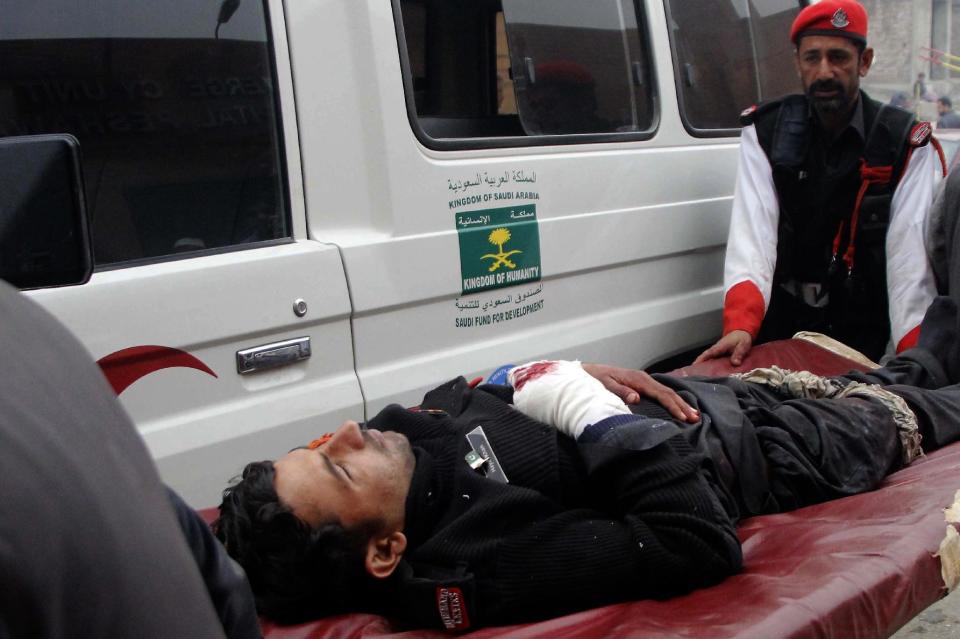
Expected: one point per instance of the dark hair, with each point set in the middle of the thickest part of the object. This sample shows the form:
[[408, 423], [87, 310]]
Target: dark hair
[[297, 573], [945, 101]]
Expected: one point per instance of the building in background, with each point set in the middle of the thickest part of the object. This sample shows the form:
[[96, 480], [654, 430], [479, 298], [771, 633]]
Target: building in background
[[907, 34]]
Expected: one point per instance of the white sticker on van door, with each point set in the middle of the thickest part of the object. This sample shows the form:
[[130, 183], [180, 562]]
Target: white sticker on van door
[[499, 246], [492, 189], [499, 308]]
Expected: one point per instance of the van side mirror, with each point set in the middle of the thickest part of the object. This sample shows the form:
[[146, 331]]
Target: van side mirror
[[44, 237]]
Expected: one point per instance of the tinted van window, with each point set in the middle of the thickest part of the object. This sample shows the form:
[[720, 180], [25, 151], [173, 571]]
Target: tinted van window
[[484, 69], [729, 54], [175, 114]]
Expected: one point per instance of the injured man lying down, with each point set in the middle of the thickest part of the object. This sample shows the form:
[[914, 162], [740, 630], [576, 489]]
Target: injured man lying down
[[502, 504]]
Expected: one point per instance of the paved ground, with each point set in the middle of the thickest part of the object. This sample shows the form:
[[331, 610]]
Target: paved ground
[[939, 621]]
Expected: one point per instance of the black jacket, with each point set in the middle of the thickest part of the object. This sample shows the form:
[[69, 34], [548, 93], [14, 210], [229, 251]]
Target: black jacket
[[818, 186], [625, 515]]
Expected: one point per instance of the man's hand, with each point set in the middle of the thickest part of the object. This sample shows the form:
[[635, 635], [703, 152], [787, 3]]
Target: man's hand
[[736, 344], [630, 385]]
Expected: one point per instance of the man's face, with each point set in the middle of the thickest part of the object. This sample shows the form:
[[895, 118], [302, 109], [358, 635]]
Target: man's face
[[942, 108], [354, 478], [830, 69]]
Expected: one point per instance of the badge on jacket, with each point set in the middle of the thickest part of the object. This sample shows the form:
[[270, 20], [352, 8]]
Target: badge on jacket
[[482, 458]]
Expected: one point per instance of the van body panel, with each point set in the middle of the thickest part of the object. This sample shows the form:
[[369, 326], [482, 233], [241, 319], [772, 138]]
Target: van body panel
[[211, 307], [418, 258]]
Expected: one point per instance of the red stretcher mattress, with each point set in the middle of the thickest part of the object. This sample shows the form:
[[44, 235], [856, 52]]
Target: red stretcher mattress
[[856, 567]]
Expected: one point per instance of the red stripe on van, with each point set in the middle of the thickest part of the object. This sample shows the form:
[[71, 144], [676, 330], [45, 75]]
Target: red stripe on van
[[126, 366]]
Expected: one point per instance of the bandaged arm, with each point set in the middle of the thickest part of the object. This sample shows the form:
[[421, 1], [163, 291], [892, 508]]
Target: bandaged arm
[[560, 393]]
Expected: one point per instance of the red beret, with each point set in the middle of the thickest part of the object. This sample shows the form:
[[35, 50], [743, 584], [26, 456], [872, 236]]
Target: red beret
[[844, 18]]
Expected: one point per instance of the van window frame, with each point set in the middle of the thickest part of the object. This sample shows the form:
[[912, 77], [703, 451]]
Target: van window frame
[[679, 78], [283, 187], [498, 142]]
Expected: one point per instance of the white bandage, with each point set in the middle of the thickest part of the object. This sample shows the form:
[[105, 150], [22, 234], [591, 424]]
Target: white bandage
[[562, 394]]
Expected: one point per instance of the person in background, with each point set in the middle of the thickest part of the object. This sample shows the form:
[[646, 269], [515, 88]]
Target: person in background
[[920, 87], [832, 194], [901, 99], [948, 117], [563, 99]]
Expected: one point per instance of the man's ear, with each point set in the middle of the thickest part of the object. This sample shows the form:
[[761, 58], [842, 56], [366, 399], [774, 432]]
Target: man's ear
[[384, 553], [866, 59]]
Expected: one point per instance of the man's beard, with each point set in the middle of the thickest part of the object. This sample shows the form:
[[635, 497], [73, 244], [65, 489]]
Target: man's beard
[[828, 106]]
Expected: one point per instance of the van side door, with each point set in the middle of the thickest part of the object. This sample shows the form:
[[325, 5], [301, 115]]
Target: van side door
[[224, 329]]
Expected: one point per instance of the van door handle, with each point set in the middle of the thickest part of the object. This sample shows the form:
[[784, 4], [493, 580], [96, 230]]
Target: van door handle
[[637, 68], [260, 358], [531, 70]]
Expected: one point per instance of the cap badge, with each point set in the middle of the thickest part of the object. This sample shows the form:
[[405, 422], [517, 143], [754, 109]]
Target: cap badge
[[840, 19]]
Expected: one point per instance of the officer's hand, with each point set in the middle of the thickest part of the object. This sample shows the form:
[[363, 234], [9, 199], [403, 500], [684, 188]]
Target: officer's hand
[[630, 385], [736, 344]]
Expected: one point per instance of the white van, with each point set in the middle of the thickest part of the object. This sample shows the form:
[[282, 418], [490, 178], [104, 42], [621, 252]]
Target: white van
[[303, 210]]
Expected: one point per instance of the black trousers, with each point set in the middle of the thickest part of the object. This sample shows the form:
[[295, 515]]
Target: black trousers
[[771, 453], [821, 449]]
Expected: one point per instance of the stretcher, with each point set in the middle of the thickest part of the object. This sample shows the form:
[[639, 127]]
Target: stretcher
[[857, 567]]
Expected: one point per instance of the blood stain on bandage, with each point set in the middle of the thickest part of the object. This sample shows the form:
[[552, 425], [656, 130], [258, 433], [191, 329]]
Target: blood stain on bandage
[[531, 372]]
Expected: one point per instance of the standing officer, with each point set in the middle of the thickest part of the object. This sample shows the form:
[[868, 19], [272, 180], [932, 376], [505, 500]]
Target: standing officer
[[832, 196]]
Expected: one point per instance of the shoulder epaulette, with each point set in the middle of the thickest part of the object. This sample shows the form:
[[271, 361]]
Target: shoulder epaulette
[[920, 134], [750, 114], [746, 116]]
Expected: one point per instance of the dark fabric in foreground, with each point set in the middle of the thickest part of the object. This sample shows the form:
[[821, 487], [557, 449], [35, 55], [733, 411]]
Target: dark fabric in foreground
[[225, 580], [89, 546]]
